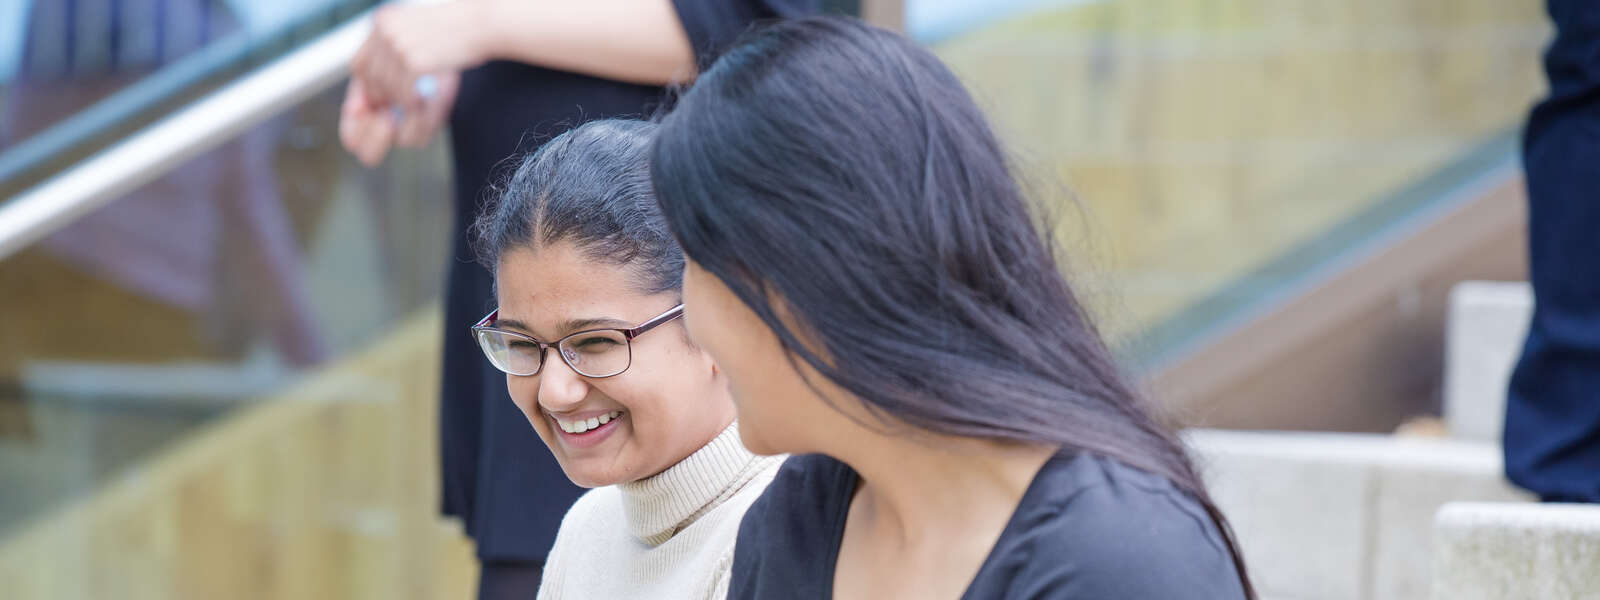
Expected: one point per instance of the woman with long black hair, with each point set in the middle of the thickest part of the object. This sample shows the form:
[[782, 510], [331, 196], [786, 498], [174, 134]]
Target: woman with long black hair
[[866, 270]]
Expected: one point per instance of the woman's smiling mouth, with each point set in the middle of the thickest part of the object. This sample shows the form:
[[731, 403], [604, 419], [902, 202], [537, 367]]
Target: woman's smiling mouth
[[578, 432], [583, 425]]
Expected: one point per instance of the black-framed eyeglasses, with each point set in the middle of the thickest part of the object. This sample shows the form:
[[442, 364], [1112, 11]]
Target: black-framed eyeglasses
[[593, 353]]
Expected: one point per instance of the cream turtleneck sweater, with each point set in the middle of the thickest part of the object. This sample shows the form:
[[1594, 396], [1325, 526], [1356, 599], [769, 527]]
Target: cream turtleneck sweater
[[666, 536]]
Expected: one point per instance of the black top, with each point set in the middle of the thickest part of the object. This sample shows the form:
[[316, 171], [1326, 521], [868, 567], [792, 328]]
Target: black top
[[1087, 528], [498, 477]]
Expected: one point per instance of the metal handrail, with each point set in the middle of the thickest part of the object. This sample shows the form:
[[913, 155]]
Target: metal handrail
[[166, 144]]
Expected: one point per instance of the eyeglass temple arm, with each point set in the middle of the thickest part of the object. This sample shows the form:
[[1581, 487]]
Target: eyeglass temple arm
[[671, 314]]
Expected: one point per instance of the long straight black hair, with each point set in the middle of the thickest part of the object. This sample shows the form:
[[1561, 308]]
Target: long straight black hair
[[844, 171]]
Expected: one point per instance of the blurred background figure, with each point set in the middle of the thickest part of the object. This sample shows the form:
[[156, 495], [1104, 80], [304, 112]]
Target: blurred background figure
[[1552, 427], [509, 75]]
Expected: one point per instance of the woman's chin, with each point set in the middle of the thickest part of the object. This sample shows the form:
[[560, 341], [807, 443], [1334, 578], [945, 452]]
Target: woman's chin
[[755, 443], [589, 478]]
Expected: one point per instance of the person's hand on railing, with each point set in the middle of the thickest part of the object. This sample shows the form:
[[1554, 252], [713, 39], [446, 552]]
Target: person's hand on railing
[[404, 79], [368, 128]]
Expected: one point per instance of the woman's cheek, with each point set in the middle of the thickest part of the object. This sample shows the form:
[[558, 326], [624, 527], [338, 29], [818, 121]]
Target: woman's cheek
[[524, 392]]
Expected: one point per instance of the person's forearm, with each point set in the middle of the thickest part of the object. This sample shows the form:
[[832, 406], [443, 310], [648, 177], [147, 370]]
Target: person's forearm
[[637, 41]]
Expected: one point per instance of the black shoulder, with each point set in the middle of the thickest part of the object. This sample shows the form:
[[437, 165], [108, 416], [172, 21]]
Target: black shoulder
[[1106, 530], [789, 535], [798, 495]]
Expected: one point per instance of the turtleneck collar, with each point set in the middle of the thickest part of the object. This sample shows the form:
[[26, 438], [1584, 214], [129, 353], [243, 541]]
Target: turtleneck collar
[[663, 504]]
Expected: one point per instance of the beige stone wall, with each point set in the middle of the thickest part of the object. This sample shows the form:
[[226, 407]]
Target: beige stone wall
[[1205, 137]]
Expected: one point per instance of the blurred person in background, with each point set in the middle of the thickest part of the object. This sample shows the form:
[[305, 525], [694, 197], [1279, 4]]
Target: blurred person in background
[[1552, 426], [508, 75]]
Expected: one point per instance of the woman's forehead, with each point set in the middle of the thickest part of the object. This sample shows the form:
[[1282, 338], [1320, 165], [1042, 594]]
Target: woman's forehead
[[558, 274]]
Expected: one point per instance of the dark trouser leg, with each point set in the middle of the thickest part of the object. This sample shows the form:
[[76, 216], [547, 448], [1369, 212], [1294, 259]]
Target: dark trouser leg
[[1552, 433], [509, 580]]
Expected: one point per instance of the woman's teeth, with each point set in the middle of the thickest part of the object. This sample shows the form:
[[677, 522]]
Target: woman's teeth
[[585, 425]]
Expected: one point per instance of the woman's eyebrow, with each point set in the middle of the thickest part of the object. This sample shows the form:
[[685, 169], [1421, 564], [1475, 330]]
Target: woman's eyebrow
[[573, 325], [513, 324], [567, 327]]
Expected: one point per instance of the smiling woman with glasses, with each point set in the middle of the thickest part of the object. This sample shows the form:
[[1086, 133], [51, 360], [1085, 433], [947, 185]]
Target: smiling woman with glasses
[[588, 332]]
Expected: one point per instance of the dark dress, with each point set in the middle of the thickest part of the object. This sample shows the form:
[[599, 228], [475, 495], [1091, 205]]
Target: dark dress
[[1087, 528], [498, 477], [1552, 431]]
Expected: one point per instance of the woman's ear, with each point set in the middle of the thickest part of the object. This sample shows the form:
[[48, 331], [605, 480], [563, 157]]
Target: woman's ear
[[716, 370]]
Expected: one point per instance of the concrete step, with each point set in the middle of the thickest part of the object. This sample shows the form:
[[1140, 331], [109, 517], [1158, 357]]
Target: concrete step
[[1487, 324], [1517, 551], [1343, 516]]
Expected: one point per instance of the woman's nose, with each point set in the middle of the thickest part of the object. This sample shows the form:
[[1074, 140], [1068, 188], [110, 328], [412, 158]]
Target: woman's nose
[[560, 388]]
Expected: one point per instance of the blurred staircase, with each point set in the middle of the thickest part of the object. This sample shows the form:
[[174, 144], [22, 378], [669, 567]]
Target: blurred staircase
[[1325, 516]]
